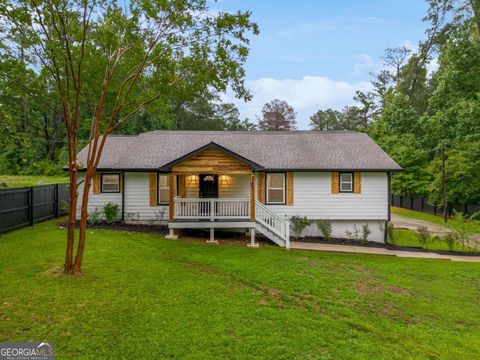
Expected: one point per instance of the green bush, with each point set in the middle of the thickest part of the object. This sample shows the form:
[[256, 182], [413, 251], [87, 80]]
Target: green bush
[[423, 236], [94, 217], [365, 233], [392, 234], [451, 239], [110, 210], [325, 226], [299, 223]]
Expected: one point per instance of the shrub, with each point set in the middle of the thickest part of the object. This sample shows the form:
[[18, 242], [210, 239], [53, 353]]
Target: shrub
[[451, 239], [110, 210], [475, 216], [392, 234], [365, 233], [65, 206], [423, 236], [94, 217], [299, 223], [353, 235], [325, 226]]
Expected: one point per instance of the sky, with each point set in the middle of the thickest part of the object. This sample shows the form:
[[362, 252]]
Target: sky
[[315, 54]]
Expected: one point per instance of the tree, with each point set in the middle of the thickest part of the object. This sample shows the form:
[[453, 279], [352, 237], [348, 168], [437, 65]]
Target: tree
[[132, 57], [396, 58], [277, 115], [326, 120]]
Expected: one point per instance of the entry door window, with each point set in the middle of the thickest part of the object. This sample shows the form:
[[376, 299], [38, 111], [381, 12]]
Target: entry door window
[[208, 186]]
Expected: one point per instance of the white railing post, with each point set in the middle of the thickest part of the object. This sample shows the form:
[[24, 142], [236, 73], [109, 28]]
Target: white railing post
[[287, 234], [212, 210]]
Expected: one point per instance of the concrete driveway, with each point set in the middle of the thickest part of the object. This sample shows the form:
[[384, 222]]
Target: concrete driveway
[[413, 224]]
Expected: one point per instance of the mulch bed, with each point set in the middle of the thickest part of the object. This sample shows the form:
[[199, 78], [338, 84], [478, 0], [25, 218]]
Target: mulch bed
[[239, 238]]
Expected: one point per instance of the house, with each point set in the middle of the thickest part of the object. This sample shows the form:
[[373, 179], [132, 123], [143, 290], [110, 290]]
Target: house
[[253, 180]]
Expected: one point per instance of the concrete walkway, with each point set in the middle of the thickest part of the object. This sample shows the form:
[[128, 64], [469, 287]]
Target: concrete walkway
[[380, 251]]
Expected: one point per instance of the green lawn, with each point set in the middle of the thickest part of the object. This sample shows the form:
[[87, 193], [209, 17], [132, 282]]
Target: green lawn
[[14, 181], [409, 238], [145, 297]]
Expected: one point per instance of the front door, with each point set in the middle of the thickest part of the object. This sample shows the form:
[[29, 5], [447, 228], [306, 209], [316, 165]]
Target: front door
[[209, 186]]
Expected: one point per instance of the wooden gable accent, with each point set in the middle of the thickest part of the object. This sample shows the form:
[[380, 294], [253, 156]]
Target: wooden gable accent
[[211, 161]]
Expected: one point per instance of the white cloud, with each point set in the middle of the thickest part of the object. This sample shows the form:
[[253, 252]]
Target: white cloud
[[306, 95], [365, 63]]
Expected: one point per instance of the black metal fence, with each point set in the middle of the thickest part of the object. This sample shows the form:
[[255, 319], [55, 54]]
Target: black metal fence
[[20, 207], [421, 204]]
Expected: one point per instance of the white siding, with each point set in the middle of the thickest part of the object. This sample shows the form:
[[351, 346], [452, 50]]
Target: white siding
[[96, 201], [137, 199], [313, 198]]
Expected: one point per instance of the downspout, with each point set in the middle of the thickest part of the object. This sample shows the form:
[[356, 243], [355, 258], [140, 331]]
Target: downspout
[[123, 196], [389, 201]]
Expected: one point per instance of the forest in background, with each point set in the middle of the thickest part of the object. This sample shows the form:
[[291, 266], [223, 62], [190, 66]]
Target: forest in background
[[422, 99]]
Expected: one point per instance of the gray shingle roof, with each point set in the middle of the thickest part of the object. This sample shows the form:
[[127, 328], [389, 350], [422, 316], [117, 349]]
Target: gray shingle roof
[[295, 150]]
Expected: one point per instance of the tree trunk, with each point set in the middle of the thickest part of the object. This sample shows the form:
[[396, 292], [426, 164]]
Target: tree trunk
[[77, 265], [71, 221], [47, 136]]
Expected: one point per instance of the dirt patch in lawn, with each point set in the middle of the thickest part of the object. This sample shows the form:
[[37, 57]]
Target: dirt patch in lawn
[[55, 271], [365, 286]]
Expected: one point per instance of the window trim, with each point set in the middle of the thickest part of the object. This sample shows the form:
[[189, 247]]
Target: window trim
[[110, 191], [267, 201], [340, 182], [158, 188]]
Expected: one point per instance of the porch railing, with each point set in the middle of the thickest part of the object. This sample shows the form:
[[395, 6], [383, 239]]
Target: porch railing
[[211, 209], [272, 221]]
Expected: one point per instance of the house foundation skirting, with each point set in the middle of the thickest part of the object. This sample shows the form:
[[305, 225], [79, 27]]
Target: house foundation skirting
[[211, 225]]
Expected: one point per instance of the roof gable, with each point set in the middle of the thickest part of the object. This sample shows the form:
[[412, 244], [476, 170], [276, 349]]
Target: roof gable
[[211, 153]]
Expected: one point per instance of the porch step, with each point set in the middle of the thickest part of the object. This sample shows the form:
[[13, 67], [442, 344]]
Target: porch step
[[269, 234]]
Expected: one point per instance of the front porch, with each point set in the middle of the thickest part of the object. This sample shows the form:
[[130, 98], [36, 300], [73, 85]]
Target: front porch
[[213, 188]]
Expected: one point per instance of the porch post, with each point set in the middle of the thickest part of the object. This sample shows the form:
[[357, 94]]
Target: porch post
[[252, 239], [252, 197], [171, 199]]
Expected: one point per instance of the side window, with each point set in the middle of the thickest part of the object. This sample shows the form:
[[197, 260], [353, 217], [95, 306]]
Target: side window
[[163, 189], [346, 182], [110, 183], [276, 188]]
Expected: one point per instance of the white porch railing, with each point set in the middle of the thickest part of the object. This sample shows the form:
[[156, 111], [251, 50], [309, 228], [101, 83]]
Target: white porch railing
[[211, 209], [273, 222]]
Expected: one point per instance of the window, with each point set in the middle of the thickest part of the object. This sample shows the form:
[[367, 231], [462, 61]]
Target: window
[[346, 182], [110, 183], [163, 189], [276, 188]]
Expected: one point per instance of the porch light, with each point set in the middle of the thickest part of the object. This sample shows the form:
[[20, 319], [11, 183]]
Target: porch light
[[192, 180], [223, 179]]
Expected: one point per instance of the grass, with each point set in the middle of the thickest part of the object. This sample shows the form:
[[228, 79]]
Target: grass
[[409, 238], [144, 297], [15, 181], [453, 223]]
